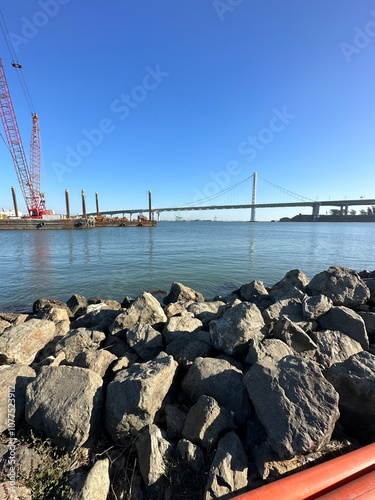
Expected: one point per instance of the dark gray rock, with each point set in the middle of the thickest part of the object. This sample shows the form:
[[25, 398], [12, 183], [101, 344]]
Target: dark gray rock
[[369, 319], [222, 381], [334, 347], [205, 421], [144, 340], [343, 286], [145, 309], [354, 380], [207, 311], [44, 302], [182, 293], [97, 361], [175, 420], [315, 306], [234, 330], [136, 394], [65, 403], [189, 346], [153, 452], [191, 454], [77, 304], [274, 348], [229, 469], [346, 321], [13, 380], [294, 402], [293, 335], [98, 317], [291, 308], [252, 292], [78, 341]]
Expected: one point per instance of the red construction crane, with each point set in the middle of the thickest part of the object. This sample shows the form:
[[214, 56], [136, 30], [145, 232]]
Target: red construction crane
[[29, 179]]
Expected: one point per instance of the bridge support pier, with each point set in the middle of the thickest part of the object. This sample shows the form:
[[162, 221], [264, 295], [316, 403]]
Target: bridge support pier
[[254, 196], [315, 211]]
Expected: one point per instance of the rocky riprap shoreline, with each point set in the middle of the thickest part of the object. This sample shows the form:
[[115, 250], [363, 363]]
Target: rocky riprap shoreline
[[170, 394]]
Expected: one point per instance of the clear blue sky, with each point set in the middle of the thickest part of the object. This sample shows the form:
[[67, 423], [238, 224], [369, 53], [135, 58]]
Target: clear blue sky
[[189, 97]]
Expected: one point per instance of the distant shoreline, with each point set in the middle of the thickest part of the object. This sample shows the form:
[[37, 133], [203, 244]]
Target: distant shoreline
[[329, 218]]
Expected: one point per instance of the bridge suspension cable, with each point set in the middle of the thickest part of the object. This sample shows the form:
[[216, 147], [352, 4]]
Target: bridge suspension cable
[[290, 193], [216, 195]]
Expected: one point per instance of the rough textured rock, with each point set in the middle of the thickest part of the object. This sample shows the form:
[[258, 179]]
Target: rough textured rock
[[27, 461], [43, 302], [136, 394], [97, 361], [296, 278], [207, 311], [98, 317], [20, 344], [369, 319], [205, 421], [347, 321], [96, 484], [229, 468], [315, 306], [293, 335], [77, 304], [334, 347], [354, 380], [189, 346], [274, 348], [234, 330], [191, 454], [65, 402], [59, 316], [153, 451], [182, 293], [4, 325], [13, 380], [175, 309], [343, 286], [294, 402], [222, 381], [183, 323], [251, 292], [145, 309], [292, 308], [78, 341], [175, 420], [145, 340], [14, 318]]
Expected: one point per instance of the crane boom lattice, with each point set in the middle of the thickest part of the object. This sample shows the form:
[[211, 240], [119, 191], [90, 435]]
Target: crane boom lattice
[[29, 180]]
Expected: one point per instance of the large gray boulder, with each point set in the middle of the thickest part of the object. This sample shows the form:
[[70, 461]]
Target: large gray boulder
[[77, 341], [229, 469], [207, 311], [20, 344], [291, 308], [295, 403], [205, 421], [347, 321], [153, 452], [97, 361], [274, 348], [233, 331], [354, 380], [182, 293], [13, 380], [369, 319], [252, 292], [184, 323], [189, 346], [64, 402], [59, 316], [145, 309], [136, 394], [343, 286], [334, 347], [145, 340], [293, 335], [221, 380], [315, 306]]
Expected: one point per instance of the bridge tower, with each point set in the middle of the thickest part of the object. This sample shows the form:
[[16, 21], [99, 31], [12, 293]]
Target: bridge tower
[[253, 200]]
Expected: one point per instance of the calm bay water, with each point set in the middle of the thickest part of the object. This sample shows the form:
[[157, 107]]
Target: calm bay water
[[211, 257]]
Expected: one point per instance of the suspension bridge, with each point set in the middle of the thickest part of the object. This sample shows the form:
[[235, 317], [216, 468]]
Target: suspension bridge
[[205, 204]]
